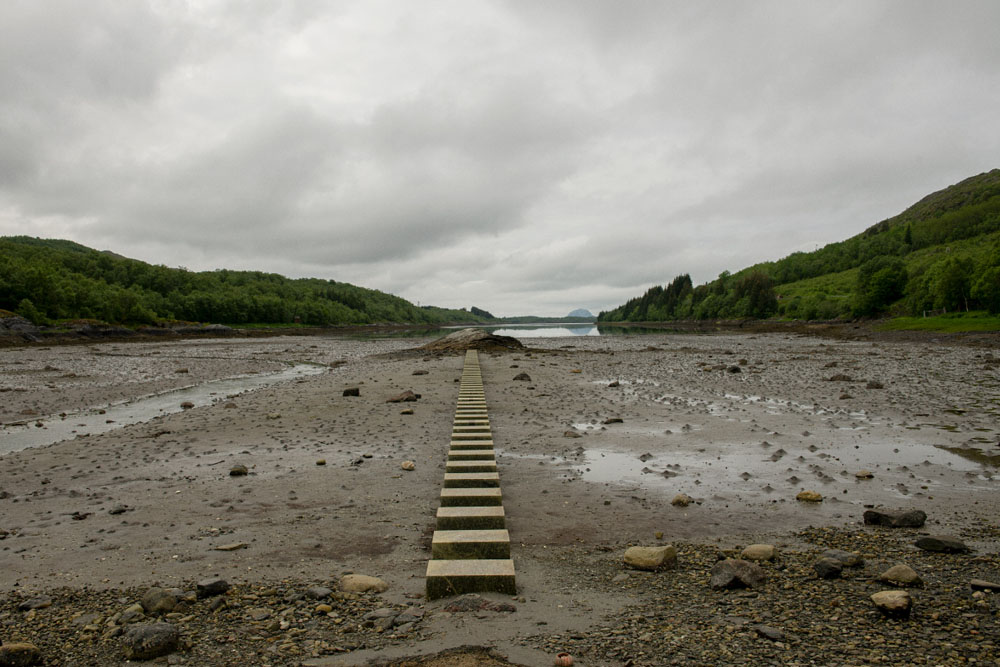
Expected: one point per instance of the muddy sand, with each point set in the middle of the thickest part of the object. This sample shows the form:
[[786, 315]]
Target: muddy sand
[[740, 423]]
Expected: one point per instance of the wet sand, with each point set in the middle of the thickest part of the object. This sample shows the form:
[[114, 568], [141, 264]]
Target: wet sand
[[740, 423]]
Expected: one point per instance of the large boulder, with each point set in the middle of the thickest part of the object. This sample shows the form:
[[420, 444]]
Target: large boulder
[[150, 640], [893, 604], [474, 339], [942, 544]]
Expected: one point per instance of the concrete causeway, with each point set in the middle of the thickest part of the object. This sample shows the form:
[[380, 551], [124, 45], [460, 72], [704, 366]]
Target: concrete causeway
[[470, 550]]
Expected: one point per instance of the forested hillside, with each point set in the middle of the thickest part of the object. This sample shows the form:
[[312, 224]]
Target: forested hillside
[[49, 280], [942, 254]]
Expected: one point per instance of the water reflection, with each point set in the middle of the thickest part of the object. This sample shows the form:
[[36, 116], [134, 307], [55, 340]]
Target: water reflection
[[547, 331]]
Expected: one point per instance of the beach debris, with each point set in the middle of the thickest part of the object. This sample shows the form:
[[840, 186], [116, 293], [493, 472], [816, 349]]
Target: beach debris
[[408, 465], [563, 660]]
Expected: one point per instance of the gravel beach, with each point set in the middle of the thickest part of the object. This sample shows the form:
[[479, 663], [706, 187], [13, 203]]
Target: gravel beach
[[593, 451]]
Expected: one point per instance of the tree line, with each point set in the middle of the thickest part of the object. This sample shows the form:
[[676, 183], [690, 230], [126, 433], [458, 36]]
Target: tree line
[[941, 254], [52, 280]]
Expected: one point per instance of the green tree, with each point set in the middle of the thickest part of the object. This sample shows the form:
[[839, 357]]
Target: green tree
[[881, 281]]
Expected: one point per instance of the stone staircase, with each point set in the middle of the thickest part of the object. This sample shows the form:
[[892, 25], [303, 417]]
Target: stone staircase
[[470, 550]]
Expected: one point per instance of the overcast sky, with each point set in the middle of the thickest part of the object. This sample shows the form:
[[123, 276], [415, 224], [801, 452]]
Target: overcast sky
[[523, 157]]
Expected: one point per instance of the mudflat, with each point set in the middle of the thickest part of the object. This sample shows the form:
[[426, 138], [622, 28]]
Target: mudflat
[[592, 450]]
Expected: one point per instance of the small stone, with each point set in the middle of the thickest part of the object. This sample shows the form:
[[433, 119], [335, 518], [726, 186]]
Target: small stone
[[318, 592], [809, 497], [187, 405], [233, 546], [118, 509], [874, 384], [767, 632], [408, 465], [895, 519], [864, 474], [321, 462], [571, 434], [942, 544], [983, 585], [681, 500], [238, 470], [522, 377], [846, 558], [613, 420], [150, 640], [651, 558], [736, 573], [406, 397], [901, 575], [828, 568], [352, 391], [759, 552], [131, 614], [420, 372], [893, 604], [158, 601], [38, 602], [613, 384], [211, 587], [274, 415], [20, 654], [323, 609], [407, 411], [360, 583]]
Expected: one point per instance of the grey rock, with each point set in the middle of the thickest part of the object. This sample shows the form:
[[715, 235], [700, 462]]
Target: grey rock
[[132, 614], [352, 391], [319, 592], [846, 558], [942, 544], [522, 377], [983, 585], [901, 575], [213, 586], [767, 632], [828, 568], [38, 602], [150, 640], [238, 470], [736, 573], [895, 519]]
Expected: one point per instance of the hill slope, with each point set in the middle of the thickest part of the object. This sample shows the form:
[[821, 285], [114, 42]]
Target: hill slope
[[50, 279], [942, 253]]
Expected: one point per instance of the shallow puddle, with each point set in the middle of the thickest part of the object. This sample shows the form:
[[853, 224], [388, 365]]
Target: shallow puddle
[[51, 429]]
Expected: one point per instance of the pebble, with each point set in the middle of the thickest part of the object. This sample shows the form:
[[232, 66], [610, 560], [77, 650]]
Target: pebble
[[651, 558], [809, 497]]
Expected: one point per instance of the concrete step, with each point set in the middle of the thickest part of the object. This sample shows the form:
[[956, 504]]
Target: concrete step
[[470, 466], [457, 577], [471, 444], [471, 436], [470, 544], [472, 455], [453, 480], [471, 518], [471, 497]]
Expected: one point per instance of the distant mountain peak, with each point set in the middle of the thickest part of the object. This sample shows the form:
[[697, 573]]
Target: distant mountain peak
[[581, 312]]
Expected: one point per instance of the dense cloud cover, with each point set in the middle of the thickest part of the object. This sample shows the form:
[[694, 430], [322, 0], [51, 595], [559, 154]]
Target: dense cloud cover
[[523, 157]]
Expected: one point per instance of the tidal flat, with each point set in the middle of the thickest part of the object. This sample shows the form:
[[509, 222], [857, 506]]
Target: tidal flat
[[592, 449]]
